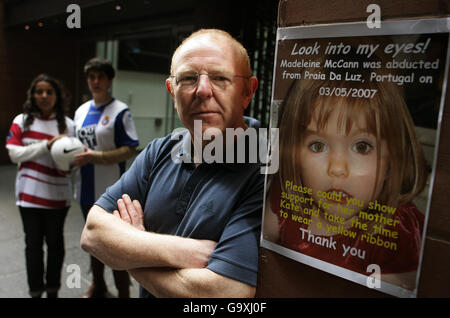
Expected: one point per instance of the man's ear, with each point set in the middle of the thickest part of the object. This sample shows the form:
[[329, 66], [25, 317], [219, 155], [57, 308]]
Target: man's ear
[[169, 86], [253, 85], [250, 91], [170, 90]]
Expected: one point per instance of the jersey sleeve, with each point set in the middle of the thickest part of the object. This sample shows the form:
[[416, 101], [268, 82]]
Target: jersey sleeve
[[17, 151], [26, 153], [125, 133], [236, 254], [15, 133]]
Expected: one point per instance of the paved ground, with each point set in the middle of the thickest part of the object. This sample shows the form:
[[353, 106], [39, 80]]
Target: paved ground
[[13, 282]]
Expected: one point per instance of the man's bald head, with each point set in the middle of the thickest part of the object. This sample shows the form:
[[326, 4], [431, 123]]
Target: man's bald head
[[218, 36]]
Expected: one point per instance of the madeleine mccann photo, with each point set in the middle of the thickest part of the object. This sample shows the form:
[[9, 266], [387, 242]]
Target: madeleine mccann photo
[[350, 169]]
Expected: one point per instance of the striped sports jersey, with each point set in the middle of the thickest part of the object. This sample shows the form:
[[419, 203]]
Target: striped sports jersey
[[102, 128], [38, 182]]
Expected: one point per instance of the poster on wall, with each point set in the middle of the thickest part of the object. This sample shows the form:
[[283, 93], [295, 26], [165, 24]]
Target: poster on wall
[[357, 113]]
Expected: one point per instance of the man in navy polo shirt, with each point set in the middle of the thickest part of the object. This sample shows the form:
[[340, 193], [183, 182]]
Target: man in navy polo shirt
[[197, 234]]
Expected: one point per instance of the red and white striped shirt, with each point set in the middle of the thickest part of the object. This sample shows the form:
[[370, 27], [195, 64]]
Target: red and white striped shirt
[[38, 183]]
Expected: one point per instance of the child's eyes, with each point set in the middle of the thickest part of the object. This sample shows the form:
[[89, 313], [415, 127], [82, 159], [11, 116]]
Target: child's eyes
[[362, 147], [317, 146]]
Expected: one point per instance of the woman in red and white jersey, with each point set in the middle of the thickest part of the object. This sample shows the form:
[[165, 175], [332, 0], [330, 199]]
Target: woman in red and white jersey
[[43, 193]]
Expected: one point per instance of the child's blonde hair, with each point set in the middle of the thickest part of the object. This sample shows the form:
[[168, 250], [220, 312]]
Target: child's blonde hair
[[387, 118]]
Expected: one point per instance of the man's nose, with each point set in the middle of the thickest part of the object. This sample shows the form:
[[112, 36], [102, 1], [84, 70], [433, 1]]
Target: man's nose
[[204, 88], [338, 165]]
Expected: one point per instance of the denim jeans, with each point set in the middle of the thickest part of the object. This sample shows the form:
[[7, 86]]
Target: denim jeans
[[40, 224]]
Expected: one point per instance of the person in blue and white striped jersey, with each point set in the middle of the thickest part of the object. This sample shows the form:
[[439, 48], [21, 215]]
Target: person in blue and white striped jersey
[[106, 128]]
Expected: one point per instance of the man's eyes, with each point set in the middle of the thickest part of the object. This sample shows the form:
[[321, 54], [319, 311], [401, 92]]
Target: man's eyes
[[219, 77], [193, 78], [189, 77]]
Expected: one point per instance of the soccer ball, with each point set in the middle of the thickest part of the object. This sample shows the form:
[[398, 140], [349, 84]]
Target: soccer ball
[[63, 152]]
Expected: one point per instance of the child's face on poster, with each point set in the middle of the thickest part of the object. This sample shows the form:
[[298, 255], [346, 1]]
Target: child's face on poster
[[333, 161]]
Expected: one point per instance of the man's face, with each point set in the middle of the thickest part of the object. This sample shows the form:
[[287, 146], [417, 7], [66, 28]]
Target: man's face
[[217, 97]]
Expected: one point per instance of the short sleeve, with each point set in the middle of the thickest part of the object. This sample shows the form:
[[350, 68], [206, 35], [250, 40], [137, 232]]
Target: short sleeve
[[133, 182], [125, 133], [236, 254]]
